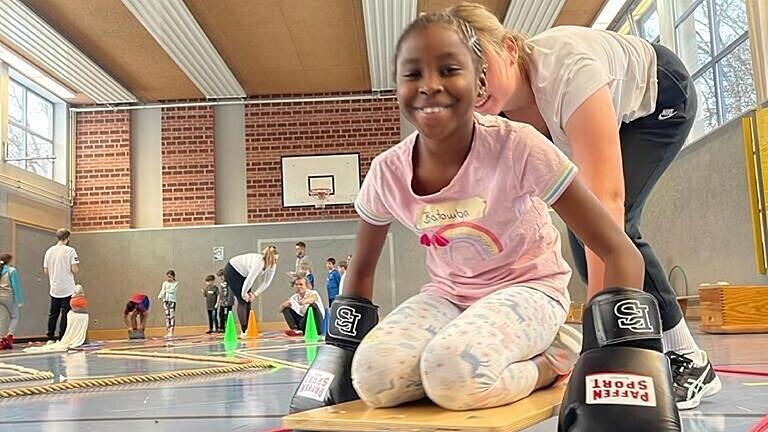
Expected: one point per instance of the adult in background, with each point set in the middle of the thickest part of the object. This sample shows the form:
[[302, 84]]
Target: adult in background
[[241, 273], [60, 264], [301, 257], [295, 309], [622, 108]]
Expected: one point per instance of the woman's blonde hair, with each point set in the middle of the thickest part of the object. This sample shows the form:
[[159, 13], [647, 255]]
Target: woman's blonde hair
[[270, 255], [490, 32]]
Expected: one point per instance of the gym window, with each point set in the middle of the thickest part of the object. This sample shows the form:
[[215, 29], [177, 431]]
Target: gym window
[[712, 39], [30, 143]]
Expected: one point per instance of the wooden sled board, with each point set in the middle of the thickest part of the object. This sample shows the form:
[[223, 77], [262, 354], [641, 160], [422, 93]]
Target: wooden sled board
[[423, 416]]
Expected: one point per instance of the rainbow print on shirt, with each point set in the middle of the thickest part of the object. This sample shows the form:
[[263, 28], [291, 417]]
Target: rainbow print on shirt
[[468, 243]]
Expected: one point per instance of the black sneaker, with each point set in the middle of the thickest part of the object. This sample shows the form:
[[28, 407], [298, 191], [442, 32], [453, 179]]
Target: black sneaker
[[692, 382]]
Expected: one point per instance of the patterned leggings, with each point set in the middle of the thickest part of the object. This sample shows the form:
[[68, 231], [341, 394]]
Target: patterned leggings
[[478, 358], [170, 315]]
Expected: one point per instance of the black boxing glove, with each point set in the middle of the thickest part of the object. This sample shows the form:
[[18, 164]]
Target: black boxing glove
[[622, 381], [328, 380]]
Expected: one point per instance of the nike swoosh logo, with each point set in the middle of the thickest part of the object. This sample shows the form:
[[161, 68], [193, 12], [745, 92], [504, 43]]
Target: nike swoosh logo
[[667, 113]]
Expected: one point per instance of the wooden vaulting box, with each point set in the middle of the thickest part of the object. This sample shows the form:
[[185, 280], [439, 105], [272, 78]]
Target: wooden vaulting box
[[734, 309]]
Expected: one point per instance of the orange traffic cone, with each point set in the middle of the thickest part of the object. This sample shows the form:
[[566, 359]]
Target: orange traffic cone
[[253, 328]]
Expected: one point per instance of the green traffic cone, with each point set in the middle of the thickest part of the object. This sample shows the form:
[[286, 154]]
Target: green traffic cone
[[230, 333], [310, 332], [311, 353]]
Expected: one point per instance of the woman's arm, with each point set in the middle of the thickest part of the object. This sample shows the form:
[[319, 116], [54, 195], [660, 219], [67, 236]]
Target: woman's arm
[[592, 223], [370, 242], [269, 274], [594, 138], [253, 273]]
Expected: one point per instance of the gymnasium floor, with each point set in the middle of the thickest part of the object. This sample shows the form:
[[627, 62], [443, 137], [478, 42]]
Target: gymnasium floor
[[255, 400]]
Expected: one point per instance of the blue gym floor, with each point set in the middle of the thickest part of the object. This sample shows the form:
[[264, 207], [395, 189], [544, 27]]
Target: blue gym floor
[[257, 400]]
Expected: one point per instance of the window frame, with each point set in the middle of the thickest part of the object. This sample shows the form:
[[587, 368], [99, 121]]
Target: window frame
[[27, 130], [710, 66], [717, 57]]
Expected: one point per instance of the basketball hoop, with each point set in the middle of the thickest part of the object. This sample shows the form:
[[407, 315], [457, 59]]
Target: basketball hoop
[[320, 195]]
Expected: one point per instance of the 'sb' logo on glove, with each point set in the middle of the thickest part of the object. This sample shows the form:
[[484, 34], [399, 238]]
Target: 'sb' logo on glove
[[633, 316], [346, 320]]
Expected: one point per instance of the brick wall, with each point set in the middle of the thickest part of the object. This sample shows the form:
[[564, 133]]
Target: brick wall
[[281, 129], [189, 183], [103, 171]]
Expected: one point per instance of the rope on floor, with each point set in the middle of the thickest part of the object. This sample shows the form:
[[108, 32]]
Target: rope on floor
[[27, 374], [134, 379], [42, 376], [172, 356]]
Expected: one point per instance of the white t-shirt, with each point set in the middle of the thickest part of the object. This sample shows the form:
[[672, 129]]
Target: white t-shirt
[[568, 64], [58, 260], [250, 266], [302, 309]]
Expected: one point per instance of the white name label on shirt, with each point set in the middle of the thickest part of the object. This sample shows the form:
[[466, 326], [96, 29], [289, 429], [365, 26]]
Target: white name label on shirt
[[450, 212]]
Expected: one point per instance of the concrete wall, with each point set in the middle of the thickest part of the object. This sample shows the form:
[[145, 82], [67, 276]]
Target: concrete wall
[[31, 244], [28, 250], [5, 234], [698, 217], [146, 169], [231, 194]]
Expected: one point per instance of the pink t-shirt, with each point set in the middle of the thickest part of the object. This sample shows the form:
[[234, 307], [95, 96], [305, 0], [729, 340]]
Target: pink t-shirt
[[490, 227]]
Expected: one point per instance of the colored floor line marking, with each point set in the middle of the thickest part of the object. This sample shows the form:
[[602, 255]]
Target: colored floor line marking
[[282, 347], [756, 384], [170, 356], [722, 369], [274, 360]]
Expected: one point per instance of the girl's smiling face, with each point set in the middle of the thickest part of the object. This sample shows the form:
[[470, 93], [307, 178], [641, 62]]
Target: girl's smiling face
[[437, 81]]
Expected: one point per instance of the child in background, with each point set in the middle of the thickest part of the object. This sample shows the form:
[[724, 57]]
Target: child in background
[[168, 297], [77, 325], [11, 299], [136, 312], [333, 281], [211, 295], [305, 271], [225, 302], [78, 303], [343, 266]]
